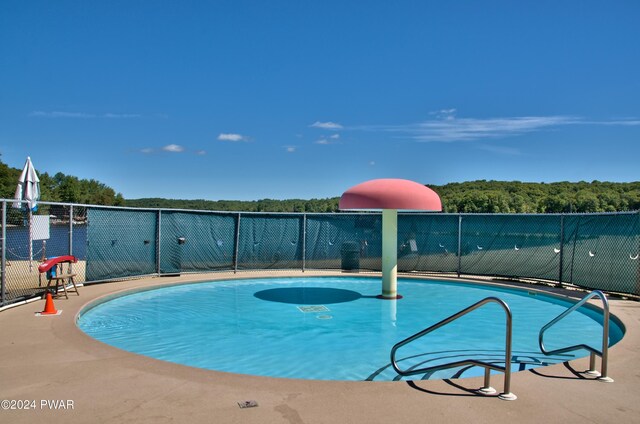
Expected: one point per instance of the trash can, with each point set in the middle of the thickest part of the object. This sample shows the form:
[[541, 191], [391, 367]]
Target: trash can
[[350, 256]]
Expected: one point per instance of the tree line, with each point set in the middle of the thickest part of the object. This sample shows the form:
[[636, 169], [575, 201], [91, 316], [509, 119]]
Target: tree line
[[263, 205], [467, 197], [61, 188], [520, 197]]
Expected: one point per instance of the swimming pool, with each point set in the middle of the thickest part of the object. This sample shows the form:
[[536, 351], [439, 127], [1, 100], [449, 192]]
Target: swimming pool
[[334, 328]]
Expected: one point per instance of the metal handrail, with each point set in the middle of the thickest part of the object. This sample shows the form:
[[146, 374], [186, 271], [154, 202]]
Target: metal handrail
[[487, 389], [604, 353]]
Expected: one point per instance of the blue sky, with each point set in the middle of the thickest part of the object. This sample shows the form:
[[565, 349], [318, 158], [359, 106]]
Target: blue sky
[[303, 99]]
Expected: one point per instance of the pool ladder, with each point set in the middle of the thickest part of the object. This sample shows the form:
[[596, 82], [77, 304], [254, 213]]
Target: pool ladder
[[488, 366], [506, 369], [604, 353]]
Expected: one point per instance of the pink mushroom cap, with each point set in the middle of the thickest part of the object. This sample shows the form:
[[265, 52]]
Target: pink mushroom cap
[[390, 193]]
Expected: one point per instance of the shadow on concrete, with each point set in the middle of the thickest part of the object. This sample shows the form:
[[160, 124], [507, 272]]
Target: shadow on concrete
[[467, 392], [576, 374]]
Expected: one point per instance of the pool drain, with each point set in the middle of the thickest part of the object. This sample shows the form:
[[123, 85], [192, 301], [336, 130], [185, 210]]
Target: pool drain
[[313, 308]]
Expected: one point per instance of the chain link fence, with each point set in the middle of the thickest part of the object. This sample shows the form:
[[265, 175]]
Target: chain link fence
[[595, 251], [29, 238]]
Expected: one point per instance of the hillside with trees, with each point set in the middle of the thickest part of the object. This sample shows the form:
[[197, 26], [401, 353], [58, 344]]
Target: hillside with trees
[[520, 197], [61, 188], [468, 197], [263, 205]]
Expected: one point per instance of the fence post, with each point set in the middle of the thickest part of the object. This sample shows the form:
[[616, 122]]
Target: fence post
[[573, 252], [70, 229], [561, 250], [70, 235], [304, 240], [4, 253], [459, 244], [158, 238], [637, 293], [235, 254]]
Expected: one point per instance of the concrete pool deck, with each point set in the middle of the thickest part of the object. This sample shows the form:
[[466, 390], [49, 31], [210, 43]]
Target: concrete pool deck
[[49, 359]]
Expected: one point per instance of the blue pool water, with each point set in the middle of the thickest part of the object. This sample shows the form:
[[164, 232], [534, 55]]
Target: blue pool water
[[333, 328]]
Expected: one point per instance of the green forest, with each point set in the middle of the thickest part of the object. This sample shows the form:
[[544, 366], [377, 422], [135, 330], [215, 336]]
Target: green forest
[[469, 197], [61, 188]]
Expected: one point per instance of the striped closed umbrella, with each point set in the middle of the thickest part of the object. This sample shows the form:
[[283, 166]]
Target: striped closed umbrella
[[28, 187], [28, 190]]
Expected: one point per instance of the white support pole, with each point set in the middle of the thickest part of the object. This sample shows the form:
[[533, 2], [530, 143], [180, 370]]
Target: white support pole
[[389, 253], [30, 240]]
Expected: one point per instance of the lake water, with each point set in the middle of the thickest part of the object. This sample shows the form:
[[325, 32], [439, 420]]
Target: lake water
[[56, 245]]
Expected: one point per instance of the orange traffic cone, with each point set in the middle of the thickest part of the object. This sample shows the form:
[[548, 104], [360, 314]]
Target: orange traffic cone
[[49, 308]]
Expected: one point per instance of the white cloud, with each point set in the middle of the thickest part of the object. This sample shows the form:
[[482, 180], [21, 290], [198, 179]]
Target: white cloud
[[82, 115], [472, 128], [451, 129], [335, 136], [447, 128], [326, 125], [232, 137], [326, 141], [58, 114], [447, 114], [121, 115], [173, 148], [290, 149], [622, 122]]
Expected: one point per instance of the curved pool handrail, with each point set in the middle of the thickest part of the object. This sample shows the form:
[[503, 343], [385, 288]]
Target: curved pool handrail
[[487, 389], [603, 353]]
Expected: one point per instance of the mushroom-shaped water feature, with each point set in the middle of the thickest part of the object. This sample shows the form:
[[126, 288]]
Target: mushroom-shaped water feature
[[390, 195]]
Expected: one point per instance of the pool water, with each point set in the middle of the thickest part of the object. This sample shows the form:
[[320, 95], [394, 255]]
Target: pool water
[[334, 328]]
